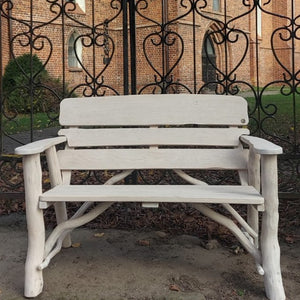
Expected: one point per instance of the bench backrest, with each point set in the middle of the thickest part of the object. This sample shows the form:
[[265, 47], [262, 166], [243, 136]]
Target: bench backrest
[[162, 126]]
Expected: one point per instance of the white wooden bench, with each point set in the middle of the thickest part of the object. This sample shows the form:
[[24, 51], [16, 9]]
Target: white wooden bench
[[175, 132]]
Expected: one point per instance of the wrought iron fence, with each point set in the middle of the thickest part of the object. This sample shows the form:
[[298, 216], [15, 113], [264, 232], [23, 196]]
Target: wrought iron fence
[[60, 48]]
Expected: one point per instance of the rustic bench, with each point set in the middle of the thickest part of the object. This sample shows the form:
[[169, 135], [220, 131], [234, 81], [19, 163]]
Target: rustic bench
[[175, 132]]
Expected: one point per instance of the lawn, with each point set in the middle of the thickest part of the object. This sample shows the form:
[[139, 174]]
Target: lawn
[[22, 122], [277, 114]]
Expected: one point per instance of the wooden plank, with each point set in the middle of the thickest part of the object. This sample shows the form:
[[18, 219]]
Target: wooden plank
[[154, 193], [121, 159], [153, 136], [39, 146], [135, 110], [261, 146]]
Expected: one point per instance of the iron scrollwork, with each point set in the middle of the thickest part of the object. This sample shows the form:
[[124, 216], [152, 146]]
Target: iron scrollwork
[[169, 45]]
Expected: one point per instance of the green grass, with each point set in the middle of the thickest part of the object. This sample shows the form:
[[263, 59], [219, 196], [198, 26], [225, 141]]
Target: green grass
[[22, 123], [280, 121], [283, 103]]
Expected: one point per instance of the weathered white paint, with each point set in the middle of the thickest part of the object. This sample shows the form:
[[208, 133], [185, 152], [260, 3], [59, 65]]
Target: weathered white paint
[[56, 238], [164, 146], [261, 146], [35, 225], [121, 159], [56, 179], [205, 210], [147, 110], [154, 193], [269, 233], [254, 180], [78, 137], [39, 146]]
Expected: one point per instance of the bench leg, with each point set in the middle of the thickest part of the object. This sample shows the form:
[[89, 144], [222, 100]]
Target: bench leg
[[61, 216], [56, 179], [254, 180], [61, 211], [35, 226], [253, 221], [269, 241]]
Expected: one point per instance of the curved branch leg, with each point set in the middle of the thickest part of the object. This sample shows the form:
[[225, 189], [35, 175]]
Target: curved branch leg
[[56, 179], [232, 227], [62, 232], [67, 226], [269, 242], [35, 224], [253, 221], [189, 178], [241, 221], [61, 216], [254, 180]]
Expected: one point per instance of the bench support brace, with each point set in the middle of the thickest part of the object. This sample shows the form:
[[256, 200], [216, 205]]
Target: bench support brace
[[54, 242], [228, 223]]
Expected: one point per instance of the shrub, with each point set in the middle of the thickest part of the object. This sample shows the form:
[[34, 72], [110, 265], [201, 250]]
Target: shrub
[[27, 85]]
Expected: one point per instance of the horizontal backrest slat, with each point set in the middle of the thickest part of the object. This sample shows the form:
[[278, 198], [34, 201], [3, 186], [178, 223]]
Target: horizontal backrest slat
[[121, 159], [153, 136], [147, 110]]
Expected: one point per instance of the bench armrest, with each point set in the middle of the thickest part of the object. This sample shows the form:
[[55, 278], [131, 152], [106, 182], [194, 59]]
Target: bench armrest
[[39, 146], [261, 146]]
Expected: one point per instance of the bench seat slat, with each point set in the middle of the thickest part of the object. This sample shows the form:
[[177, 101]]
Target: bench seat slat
[[226, 137], [154, 193], [122, 159]]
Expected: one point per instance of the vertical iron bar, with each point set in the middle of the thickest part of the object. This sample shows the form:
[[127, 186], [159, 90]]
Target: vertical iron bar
[[1, 87], [94, 88], [63, 49], [132, 25], [293, 77], [194, 51], [166, 26], [258, 95], [225, 47], [31, 71], [132, 46], [163, 46], [125, 48], [9, 30]]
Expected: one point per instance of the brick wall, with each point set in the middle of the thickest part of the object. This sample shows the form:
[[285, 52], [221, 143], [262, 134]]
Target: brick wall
[[53, 34]]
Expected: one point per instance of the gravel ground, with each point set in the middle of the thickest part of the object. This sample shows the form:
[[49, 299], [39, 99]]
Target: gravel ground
[[139, 265]]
